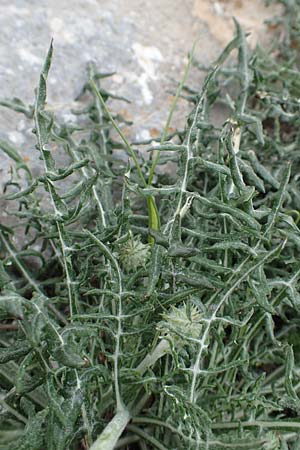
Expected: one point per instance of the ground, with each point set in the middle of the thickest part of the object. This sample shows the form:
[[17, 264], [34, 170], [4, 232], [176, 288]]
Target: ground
[[144, 42]]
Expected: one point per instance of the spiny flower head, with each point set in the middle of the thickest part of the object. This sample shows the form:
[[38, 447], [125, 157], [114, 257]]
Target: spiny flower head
[[133, 254], [182, 320]]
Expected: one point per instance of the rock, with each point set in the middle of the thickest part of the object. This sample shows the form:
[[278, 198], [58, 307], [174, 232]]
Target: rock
[[144, 42]]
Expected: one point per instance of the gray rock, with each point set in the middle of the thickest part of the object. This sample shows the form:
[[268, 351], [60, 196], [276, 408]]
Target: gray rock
[[144, 42]]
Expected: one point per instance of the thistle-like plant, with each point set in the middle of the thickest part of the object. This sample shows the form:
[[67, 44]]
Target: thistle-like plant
[[158, 312]]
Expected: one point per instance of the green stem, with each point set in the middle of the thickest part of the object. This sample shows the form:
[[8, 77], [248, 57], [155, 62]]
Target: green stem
[[120, 133], [12, 411], [161, 423], [146, 437], [110, 435], [127, 441], [154, 222], [257, 423], [171, 112], [160, 350]]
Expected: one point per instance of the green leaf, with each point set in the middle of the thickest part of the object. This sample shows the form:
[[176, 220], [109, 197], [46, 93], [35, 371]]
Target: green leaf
[[279, 200], [34, 436], [26, 382], [66, 355], [11, 305], [17, 105], [13, 154], [16, 351], [235, 212], [289, 373]]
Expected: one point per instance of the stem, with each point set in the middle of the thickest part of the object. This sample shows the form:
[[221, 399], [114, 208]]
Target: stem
[[171, 112], [119, 131], [203, 343], [127, 441], [13, 411], [28, 277], [154, 221], [111, 433], [118, 335], [160, 350], [161, 423], [146, 437], [257, 423]]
